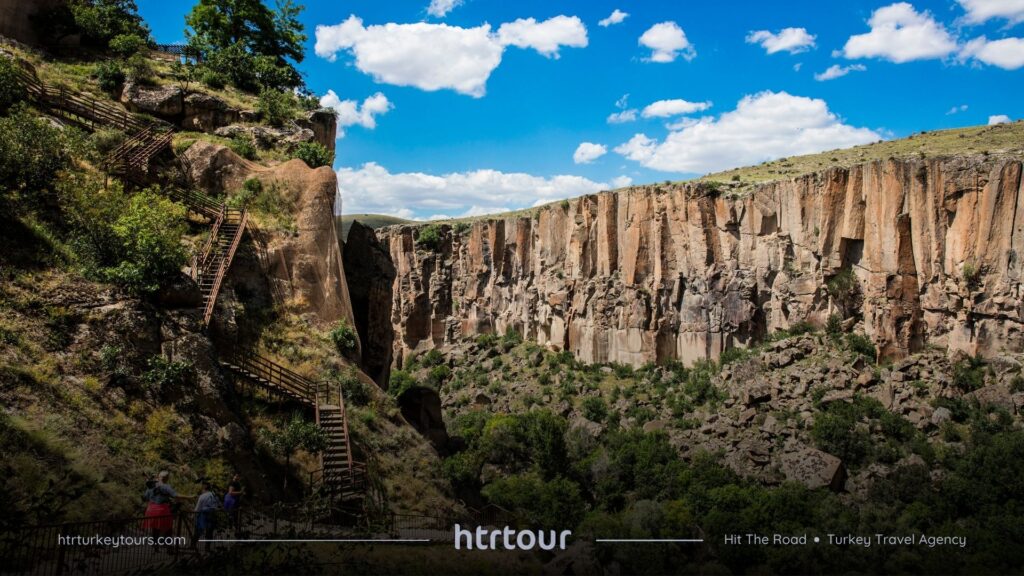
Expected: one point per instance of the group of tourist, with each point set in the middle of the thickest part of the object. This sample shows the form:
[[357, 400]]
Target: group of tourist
[[162, 503]]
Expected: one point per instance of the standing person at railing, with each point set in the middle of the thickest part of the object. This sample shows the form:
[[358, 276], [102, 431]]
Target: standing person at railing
[[207, 506], [233, 502], [159, 510]]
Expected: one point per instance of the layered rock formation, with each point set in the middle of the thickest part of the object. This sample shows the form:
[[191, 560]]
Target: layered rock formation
[[686, 271]]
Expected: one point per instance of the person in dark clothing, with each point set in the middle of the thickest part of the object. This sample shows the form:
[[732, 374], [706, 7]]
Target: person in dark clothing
[[207, 505], [233, 502]]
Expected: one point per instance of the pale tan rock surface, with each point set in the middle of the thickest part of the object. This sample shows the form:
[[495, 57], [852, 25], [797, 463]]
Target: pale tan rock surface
[[679, 271]]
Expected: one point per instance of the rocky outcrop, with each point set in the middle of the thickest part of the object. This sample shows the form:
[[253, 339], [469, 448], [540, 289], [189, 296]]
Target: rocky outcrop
[[685, 271], [303, 263], [370, 275]]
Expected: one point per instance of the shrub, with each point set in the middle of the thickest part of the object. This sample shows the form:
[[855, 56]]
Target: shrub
[[313, 154], [353, 389], [432, 357], [149, 233], [595, 409], [400, 382], [969, 374], [26, 176], [243, 147], [11, 90], [105, 140], [834, 325], [275, 106], [138, 69], [541, 504], [127, 45], [162, 374], [438, 375], [430, 237], [735, 354], [699, 386], [344, 337], [971, 275], [213, 79], [862, 345], [835, 431]]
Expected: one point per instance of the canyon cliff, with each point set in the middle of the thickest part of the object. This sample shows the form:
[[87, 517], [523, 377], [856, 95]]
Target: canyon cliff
[[686, 271]]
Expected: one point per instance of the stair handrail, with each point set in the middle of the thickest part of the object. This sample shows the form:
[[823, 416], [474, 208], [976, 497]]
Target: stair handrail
[[199, 259], [344, 426], [225, 263]]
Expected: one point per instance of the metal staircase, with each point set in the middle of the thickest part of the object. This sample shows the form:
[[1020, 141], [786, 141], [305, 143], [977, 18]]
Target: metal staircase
[[211, 264], [340, 477]]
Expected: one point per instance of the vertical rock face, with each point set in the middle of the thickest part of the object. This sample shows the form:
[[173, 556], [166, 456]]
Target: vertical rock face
[[683, 272], [370, 274]]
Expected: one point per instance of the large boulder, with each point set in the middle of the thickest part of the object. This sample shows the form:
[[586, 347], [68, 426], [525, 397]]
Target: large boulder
[[161, 101], [206, 113], [814, 469], [324, 124], [215, 168]]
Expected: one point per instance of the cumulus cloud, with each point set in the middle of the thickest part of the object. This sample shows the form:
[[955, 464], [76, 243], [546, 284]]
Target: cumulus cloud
[[956, 109], [1007, 53], [371, 188], [763, 126], [675, 107], [616, 17], [667, 42], [587, 152], [438, 56], [352, 113], [621, 181], [441, 8], [792, 40], [998, 119], [979, 11], [900, 34], [545, 37], [836, 71]]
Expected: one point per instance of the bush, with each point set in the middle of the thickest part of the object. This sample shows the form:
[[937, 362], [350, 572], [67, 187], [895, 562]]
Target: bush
[[835, 431], [862, 345], [969, 374], [353, 389], [162, 374], [11, 89], [430, 237], [313, 154], [213, 79], [109, 75], [400, 382], [138, 69], [105, 140], [438, 375], [971, 275], [26, 176], [149, 235], [595, 409], [127, 45], [275, 107], [243, 147], [344, 337], [554, 504]]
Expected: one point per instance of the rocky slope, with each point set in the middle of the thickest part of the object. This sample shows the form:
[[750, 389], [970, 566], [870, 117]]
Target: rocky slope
[[686, 271]]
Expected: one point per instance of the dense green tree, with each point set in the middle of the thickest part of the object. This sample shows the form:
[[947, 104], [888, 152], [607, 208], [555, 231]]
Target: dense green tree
[[149, 231], [101, 23], [298, 433], [250, 43]]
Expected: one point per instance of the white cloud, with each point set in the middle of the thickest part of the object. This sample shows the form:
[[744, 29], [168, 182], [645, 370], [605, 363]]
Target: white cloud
[[979, 11], [792, 40], [625, 113], [836, 71], [351, 113], [545, 37], [1007, 53], [441, 8], [587, 152], [616, 17], [371, 188], [957, 109], [666, 108], [901, 34], [763, 126], [798, 66], [998, 119], [667, 42], [438, 56], [622, 117], [621, 181]]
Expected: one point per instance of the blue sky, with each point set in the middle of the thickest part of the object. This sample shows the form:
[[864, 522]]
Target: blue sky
[[446, 118]]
